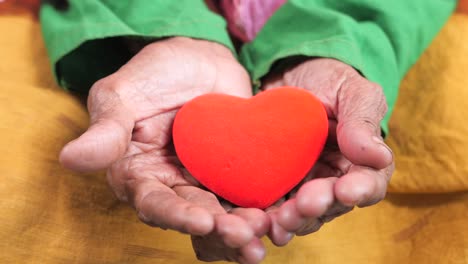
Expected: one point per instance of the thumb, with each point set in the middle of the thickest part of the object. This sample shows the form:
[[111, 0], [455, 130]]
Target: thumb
[[361, 108], [234, 80], [106, 139]]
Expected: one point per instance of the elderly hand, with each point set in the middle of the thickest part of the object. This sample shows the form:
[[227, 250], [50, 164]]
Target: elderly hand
[[132, 112], [355, 166]]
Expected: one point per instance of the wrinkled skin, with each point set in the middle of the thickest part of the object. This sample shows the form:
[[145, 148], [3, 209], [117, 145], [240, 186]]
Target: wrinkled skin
[[355, 166], [131, 115], [132, 112]]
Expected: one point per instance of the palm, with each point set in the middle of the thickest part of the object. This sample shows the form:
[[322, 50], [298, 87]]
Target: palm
[[151, 170], [132, 112], [355, 165], [331, 163]]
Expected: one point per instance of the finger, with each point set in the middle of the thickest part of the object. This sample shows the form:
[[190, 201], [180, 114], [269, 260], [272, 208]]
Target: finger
[[361, 107], [313, 200], [107, 138], [211, 248], [160, 206], [315, 197], [241, 81], [234, 231], [336, 210], [363, 186], [252, 253], [288, 217], [257, 219], [313, 224], [277, 234], [310, 226], [316, 201]]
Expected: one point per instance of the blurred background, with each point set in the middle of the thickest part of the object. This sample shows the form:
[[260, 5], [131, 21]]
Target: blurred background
[[51, 215]]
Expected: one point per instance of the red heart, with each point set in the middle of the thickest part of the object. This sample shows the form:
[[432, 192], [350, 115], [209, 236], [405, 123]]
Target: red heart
[[251, 151]]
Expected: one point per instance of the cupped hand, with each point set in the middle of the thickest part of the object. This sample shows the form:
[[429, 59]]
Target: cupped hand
[[131, 114], [355, 166]]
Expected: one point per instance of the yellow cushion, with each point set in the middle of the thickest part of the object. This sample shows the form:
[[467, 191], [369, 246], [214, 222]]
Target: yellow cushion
[[51, 215], [428, 130]]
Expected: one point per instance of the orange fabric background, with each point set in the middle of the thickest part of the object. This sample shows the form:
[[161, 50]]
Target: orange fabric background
[[51, 215]]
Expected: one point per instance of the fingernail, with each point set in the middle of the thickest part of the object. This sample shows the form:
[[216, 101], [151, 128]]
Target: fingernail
[[65, 148], [382, 144], [259, 253], [289, 236], [377, 139]]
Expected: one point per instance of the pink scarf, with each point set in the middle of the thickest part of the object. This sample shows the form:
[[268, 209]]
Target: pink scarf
[[245, 18]]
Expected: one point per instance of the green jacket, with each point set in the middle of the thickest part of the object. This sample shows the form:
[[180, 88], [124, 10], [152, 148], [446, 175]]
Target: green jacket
[[381, 39]]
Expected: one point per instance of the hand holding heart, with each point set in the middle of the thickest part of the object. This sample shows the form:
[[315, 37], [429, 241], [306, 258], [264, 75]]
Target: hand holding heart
[[355, 166], [251, 151], [131, 114]]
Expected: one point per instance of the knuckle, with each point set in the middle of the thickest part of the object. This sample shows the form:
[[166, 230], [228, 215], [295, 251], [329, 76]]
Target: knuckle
[[107, 91], [381, 102], [377, 89], [347, 71], [356, 122], [111, 83], [100, 89], [367, 97], [339, 70]]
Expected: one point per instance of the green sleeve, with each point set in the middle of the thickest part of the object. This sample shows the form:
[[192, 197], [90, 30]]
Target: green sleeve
[[85, 42], [381, 39]]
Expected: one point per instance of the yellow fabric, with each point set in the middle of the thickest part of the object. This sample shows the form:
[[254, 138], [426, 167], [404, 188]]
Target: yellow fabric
[[51, 215], [428, 130]]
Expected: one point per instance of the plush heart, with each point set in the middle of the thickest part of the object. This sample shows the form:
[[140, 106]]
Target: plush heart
[[251, 151]]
